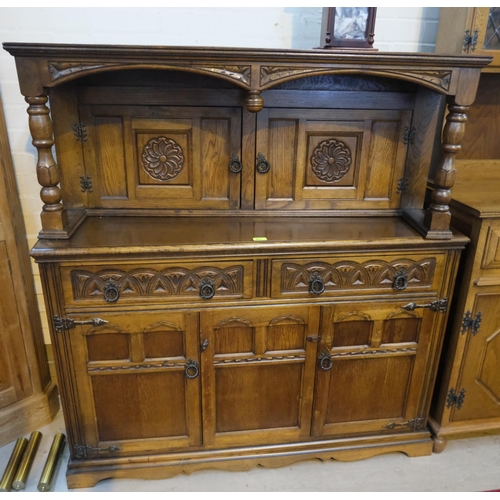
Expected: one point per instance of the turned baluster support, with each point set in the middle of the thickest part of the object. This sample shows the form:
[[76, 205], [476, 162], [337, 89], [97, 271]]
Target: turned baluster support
[[437, 216], [54, 216]]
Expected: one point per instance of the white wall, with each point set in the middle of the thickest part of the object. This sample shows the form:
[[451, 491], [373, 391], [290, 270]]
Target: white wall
[[397, 29]]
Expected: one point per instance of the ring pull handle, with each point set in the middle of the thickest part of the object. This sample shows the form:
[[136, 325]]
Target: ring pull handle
[[400, 280], [325, 361], [262, 164], [111, 292], [192, 369], [207, 288], [316, 284], [235, 165]]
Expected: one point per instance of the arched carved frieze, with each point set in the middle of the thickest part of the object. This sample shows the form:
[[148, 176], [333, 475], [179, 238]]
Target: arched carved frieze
[[440, 80], [348, 275], [150, 282], [239, 73], [61, 70], [331, 160], [162, 158]]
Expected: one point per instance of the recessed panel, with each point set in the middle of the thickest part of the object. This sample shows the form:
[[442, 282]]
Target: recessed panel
[[352, 333], [368, 389], [286, 336], [258, 396], [164, 344], [140, 406], [400, 330], [108, 346], [235, 337]]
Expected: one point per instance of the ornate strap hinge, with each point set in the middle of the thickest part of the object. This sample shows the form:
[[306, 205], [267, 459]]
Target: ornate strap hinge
[[81, 451], [61, 324], [470, 322], [409, 135], [440, 305], [80, 130], [86, 183], [403, 184], [470, 40], [455, 399], [415, 424]]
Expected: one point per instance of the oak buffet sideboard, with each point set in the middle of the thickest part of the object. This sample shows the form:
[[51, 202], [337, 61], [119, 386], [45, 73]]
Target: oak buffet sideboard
[[236, 259]]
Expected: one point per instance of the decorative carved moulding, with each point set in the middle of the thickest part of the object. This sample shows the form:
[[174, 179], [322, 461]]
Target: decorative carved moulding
[[252, 69]]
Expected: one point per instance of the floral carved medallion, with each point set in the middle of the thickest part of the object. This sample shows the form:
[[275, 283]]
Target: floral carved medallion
[[331, 160], [162, 158]]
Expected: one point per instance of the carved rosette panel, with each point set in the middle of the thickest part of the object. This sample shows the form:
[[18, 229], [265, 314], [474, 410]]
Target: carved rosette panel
[[347, 275], [162, 158], [331, 160], [149, 282]]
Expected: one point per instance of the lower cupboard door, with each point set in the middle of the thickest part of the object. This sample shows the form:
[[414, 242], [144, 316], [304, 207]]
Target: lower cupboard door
[[371, 370], [138, 383], [258, 374]]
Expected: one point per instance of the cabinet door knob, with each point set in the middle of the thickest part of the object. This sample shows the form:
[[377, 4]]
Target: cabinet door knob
[[111, 291], [207, 288], [204, 346], [400, 280], [192, 369], [262, 164], [316, 284], [325, 361], [235, 165]]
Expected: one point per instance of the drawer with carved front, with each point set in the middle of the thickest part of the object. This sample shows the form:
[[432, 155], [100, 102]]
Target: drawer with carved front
[[148, 283], [355, 273]]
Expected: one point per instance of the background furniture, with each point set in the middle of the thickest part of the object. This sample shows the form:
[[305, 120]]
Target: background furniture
[[237, 264], [28, 399], [468, 391], [466, 400]]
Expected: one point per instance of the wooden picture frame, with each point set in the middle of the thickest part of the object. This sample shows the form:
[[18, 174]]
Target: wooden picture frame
[[348, 27]]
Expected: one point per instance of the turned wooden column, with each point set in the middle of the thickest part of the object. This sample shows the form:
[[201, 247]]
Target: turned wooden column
[[437, 216], [54, 217]]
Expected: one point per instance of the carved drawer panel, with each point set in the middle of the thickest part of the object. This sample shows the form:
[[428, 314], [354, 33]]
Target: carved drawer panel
[[324, 276], [126, 283]]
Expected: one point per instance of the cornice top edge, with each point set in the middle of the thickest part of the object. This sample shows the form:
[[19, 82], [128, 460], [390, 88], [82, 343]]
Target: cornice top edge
[[265, 55]]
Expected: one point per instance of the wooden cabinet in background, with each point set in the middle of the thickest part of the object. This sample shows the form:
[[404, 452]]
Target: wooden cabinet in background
[[238, 266], [28, 398], [467, 399]]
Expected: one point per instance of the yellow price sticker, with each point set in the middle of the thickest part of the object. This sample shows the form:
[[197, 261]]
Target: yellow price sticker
[[259, 238]]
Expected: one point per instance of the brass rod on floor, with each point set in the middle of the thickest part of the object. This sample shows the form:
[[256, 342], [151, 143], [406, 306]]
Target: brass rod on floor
[[24, 468], [52, 461], [15, 458]]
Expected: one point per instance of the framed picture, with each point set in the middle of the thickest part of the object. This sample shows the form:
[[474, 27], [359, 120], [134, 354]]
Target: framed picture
[[348, 27]]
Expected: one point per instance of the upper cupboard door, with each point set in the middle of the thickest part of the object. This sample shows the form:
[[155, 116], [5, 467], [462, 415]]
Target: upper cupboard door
[[329, 159], [163, 157]]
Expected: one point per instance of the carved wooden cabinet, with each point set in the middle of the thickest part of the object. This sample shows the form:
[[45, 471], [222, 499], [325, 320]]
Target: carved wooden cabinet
[[28, 398], [467, 396], [237, 263]]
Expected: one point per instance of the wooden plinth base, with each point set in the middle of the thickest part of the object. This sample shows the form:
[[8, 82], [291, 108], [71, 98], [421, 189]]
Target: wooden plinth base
[[29, 414], [87, 473], [460, 430]]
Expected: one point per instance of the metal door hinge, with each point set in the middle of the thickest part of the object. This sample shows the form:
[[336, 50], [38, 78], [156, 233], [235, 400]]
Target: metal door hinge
[[61, 324], [415, 424], [409, 135], [470, 40], [455, 399], [81, 451], [403, 185], [436, 306], [470, 322], [86, 183], [80, 130]]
